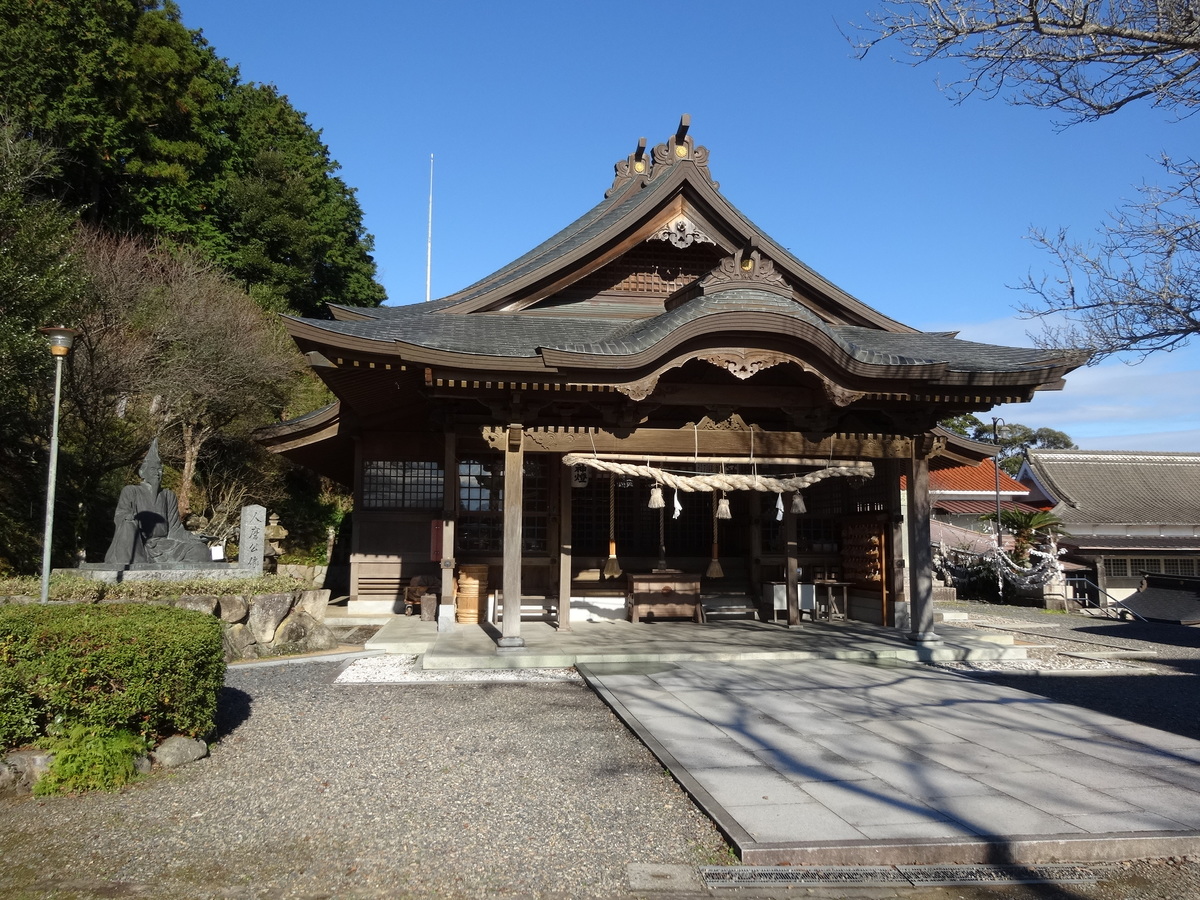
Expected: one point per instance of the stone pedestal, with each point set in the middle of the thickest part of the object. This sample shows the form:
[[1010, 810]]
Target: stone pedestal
[[445, 618]]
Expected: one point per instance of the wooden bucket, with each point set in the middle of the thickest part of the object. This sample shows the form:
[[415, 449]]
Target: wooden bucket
[[472, 594]]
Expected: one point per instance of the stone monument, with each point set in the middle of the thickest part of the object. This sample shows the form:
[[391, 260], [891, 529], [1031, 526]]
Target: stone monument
[[150, 542], [148, 527]]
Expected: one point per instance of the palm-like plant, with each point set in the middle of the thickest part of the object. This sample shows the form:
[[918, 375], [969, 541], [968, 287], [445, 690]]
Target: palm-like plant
[[1026, 527]]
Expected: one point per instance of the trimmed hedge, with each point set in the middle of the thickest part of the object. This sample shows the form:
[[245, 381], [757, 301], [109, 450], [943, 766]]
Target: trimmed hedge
[[71, 588], [154, 671]]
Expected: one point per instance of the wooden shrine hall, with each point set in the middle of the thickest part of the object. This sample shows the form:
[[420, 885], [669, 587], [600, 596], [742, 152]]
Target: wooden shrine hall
[[659, 390]]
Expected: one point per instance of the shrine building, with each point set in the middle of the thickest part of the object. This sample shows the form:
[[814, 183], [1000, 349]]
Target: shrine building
[[659, 390]]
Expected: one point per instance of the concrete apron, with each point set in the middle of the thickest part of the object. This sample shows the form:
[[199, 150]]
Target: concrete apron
[[616, 641], [851, 762]]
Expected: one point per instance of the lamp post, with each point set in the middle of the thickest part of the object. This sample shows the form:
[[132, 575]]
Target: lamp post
[[996, 423], [61, 341]]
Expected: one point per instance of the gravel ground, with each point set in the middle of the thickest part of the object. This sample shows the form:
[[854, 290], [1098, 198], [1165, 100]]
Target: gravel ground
[[321, 789]]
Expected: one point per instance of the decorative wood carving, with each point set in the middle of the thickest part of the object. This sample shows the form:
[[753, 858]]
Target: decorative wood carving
[[635, 167], [641, 389], [679, 148], [733, 422], [838, 395], [743, 362], [746, 270], [683, 232]]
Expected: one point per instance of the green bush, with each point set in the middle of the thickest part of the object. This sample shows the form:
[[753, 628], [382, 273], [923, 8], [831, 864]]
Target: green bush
[[151, 670], [75, 589], [90, 759], [18, 717]]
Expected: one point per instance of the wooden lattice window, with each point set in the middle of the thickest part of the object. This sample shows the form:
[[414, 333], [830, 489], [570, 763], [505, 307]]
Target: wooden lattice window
[[401, 484], [1172, 566], [481, 504]]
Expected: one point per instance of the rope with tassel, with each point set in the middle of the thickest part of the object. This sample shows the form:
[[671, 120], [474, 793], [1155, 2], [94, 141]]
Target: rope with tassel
[[612, 569], [714, 567]]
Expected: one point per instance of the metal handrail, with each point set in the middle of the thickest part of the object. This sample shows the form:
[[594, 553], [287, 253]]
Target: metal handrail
[[1112, 601]]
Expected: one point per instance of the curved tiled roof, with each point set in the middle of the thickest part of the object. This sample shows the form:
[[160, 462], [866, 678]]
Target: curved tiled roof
[[523, 336], [766, 296]]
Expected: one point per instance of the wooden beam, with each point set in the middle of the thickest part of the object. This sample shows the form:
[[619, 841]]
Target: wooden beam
[[514, 489], [564, 550], [741, 460], [687, 441], [920, 552], [446, 611]]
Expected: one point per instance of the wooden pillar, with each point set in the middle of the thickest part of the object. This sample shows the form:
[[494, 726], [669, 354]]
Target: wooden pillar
[[894, 573], [564, 548], [920, 550], [446, 610], [514, 489], [791, 551]]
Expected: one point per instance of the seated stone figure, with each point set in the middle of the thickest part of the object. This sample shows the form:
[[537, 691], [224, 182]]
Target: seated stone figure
[[149, 529]]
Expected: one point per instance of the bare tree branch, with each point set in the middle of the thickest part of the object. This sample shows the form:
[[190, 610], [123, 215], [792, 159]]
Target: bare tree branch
[[1085, 58], [1137, 288]]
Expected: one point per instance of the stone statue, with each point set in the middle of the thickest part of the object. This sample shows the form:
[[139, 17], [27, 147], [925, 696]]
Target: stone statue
[[149, 529]]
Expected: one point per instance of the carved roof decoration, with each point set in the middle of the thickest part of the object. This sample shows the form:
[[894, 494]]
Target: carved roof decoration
[[639, 168], [683, 232], [746, 270]]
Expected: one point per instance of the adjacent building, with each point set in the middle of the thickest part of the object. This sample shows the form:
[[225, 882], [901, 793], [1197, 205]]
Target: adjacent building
[[1127, 513]]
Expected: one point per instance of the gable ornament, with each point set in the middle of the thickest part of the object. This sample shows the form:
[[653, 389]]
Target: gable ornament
[[682, 232], [744, 269]]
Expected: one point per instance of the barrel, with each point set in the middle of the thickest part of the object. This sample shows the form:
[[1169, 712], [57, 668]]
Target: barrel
[[471, 599]]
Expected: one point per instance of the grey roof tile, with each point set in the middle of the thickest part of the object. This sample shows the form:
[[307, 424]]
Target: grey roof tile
[[1120, 487]]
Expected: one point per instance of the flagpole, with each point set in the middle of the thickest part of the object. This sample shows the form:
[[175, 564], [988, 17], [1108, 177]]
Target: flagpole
[[429, 236]]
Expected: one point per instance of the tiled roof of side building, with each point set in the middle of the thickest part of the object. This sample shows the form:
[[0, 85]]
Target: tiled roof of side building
[[975, 478], [1120, 486]]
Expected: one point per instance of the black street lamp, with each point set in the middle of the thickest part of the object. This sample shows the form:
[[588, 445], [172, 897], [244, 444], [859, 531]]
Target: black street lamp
[[61, 340]]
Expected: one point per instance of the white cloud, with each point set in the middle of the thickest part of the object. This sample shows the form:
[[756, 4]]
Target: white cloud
[[1152, 406]]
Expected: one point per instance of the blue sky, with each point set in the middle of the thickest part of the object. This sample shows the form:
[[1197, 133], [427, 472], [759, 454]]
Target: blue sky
[[862, 169]]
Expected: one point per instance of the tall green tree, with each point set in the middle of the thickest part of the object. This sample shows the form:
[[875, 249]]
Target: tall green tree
[[293, 229], [1012, 439], [160, 138], [134, 102]]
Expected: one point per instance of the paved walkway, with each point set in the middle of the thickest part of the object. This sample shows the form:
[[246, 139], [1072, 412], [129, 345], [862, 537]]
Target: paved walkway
[[841, 762], [612, 640]]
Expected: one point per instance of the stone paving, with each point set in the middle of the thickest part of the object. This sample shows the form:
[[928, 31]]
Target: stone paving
[[859, 763]]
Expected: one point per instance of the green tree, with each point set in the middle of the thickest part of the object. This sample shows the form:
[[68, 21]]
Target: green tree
[[294, 234], [1136, 289], [160, 138], [38, 281], [1027, 527], [134, 102], [1013, 439]]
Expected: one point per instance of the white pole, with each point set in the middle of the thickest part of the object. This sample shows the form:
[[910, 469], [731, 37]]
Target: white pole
[[50, 482], [429, 237]]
